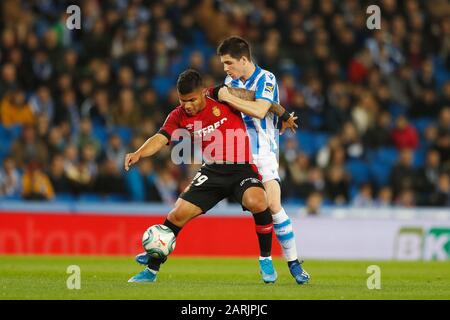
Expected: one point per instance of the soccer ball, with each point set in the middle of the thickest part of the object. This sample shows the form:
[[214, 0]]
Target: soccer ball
[[159, 241]]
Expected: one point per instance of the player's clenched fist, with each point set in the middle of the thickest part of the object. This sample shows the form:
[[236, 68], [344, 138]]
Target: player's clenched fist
[[130, 159]]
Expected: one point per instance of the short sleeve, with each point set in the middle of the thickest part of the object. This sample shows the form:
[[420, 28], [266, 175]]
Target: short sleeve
[[265, 87], [171, 124]]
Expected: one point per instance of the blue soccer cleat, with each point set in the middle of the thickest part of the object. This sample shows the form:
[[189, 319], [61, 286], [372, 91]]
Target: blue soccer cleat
[[144, 276], [300, 275], [268, 273], [142, 258]]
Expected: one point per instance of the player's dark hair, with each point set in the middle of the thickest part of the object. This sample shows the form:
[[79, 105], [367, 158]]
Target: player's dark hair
[[188, 81], [236, 47]]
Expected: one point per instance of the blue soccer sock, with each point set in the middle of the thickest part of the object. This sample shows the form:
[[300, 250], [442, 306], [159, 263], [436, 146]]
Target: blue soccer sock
[[285, 235]]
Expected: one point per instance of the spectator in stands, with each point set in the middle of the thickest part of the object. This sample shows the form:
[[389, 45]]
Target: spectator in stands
[[351, 141], [115, 151], [126, 112], [313, 204], [28, 147], [298, 169], [8, 80], [405, 199], [441, 196], [42, 103], [337, 185], [140, 183], [427, 177], [379, 133], [315, 182], [404, 135], [85, 137], [57, 175], [68, 110], [403, 176], [56, 142], [167, 186], [109, 179], [99, 111], [35, 183], [444, 121], [384, 199], [364, 197], [10, 179], [14, 110]]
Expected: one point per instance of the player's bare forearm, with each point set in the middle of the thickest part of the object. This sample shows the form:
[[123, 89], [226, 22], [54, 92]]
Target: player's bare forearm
[[248, 95], [242, 93], [257, 109], [152, 145], [277, 109]]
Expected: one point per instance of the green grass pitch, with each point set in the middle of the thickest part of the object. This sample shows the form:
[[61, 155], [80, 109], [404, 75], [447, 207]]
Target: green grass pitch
[[44, 277]]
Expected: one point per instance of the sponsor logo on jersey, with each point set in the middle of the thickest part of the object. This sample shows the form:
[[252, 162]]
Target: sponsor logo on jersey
[[268, 88]]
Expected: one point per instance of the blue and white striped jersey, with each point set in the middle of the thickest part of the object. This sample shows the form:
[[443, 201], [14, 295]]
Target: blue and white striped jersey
[[262, 132]]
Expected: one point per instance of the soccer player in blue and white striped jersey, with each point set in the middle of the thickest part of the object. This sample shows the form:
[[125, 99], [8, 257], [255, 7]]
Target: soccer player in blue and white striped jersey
[[242, 72]]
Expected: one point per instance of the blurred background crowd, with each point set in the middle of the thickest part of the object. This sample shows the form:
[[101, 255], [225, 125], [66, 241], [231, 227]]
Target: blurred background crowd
[[373, 105]]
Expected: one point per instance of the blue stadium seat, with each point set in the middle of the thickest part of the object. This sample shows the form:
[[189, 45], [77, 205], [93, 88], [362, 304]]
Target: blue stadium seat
[[421, 124], [320, 140], [162, 85], [386, 155], [116, 197], [354, 190], [358, 170], [419, 157], [100, 133], [379, 173], [307, 142], [64, 197], [125, 134], [396, 110], [89, 197]]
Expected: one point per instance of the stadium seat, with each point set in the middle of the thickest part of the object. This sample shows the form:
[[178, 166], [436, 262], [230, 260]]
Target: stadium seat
[[358, 170], [100, 133], [421, 124], [162, 85], [89, 197], [379, 172], [125, 134], [64, 197], [116, 198], [386, 156], [307, 142]]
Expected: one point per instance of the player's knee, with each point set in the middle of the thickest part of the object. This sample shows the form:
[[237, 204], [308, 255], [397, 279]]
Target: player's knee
[[256, 204]]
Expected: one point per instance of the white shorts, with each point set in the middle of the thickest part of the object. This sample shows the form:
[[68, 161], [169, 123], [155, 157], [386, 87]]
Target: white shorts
[[267, 166]]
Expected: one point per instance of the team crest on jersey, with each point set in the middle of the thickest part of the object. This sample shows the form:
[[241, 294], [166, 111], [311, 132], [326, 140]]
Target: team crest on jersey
[[216, 111], [268, 88], [189, 126]]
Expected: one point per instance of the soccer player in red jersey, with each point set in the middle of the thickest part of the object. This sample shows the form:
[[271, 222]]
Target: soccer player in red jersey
[[228, 170]]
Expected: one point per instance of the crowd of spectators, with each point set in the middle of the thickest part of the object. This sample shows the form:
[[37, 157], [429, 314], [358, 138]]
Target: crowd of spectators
[[373, 105]]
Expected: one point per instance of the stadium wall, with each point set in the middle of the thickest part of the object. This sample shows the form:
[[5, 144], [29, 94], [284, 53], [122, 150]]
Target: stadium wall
[[114, 230], [338, 233]]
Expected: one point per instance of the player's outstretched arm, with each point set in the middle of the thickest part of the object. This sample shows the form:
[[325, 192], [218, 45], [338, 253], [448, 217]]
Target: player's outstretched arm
[[257, 109], [276, 108], [149, 148]]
